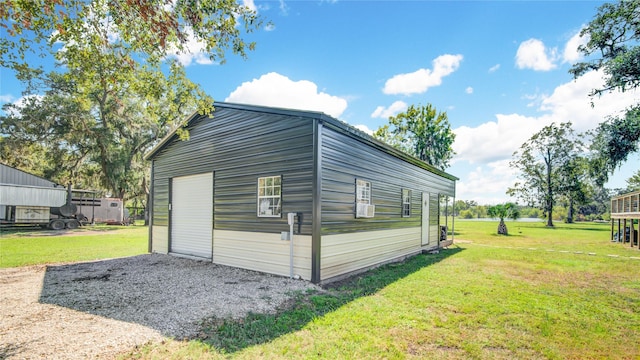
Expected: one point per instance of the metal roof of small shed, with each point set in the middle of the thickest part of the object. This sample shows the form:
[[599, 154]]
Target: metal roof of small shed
[[13, 176], [322, 117]]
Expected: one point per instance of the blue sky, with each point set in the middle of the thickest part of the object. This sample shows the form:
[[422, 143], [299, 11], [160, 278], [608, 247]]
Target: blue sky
[[498, 69]]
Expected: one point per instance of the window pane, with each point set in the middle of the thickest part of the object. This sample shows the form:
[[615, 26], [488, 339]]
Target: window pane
[[269, 193], [363, 192], [276, 206]]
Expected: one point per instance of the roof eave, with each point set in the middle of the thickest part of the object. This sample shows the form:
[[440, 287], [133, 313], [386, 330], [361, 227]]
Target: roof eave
[[314, 115]]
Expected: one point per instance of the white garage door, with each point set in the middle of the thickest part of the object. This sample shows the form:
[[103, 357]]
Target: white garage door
[[192, 215]]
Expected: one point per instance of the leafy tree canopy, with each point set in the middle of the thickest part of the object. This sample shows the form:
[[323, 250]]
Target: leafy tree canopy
[[422, 132], [153, 28], [114, 92], [614, 47]]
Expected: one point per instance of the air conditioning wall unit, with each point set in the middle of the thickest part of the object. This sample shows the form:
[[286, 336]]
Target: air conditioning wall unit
[[365, 210]]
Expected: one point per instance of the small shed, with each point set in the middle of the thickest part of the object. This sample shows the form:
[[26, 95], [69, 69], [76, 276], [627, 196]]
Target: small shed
[[25, 197], [226, 192]]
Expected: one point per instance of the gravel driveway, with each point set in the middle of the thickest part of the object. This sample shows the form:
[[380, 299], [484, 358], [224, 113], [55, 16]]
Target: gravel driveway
[[98, 309]]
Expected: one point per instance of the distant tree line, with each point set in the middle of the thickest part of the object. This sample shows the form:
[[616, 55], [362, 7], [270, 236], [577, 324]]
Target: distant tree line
[[592, 211]]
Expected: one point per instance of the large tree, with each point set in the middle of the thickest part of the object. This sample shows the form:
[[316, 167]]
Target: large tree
[[542, 163], [114, 90], [102, 125], [422, 132], [613, 47], [575, 188]]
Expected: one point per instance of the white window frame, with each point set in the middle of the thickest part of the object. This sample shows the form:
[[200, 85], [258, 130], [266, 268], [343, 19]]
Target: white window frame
[[269, 196], [363, 192], [406, 203], [363, 196]]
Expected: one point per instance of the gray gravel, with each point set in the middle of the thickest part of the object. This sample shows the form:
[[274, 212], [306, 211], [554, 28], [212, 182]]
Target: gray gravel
[[99, 309]]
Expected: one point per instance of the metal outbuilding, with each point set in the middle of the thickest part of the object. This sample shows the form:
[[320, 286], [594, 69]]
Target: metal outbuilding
[[21, 191], [247, 175]]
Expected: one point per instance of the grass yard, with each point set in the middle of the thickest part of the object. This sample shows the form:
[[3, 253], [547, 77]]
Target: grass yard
[[20, 248], [536, 294]]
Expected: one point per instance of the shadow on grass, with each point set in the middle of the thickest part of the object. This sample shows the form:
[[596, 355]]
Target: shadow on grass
[[231, 336]]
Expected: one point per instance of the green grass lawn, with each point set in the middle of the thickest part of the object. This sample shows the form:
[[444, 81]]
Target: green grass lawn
[[19, 248], [536, 294], [552, 293]]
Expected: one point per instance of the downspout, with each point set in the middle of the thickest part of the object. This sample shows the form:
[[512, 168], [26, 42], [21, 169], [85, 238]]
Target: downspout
[[150, 208], [291, 219], [316, 205]]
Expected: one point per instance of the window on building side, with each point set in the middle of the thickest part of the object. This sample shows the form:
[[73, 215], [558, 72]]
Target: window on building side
[[363, 192], [364, 208], [406, 203], [269, 196]]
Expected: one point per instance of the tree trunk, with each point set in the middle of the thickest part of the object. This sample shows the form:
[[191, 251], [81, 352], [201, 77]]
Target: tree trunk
[[549, 204], [502, 228], [570, 212]]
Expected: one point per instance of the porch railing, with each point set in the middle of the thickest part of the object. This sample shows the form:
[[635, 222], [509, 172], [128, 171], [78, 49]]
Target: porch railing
[[626, 206]]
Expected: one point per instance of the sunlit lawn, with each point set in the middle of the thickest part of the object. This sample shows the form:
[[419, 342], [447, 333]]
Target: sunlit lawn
[[19, 248], [535, 294]]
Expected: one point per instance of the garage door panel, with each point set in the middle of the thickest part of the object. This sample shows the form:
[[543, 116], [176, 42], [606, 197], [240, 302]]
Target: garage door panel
[[192, 214]]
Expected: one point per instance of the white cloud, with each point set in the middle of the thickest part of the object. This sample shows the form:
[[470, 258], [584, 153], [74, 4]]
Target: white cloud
[[421, 80], [269, 27], [469, 90], [569, 102], [273, 89], [394, 109], [6, 98], [532, 54], [490, 145], [487, 185], [364, 128], [571, 54], [495, 140], [494, 68]]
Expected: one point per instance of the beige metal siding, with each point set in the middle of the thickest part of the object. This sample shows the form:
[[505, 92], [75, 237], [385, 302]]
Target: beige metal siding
[[263, 252], [345, 253], [160, 236]]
